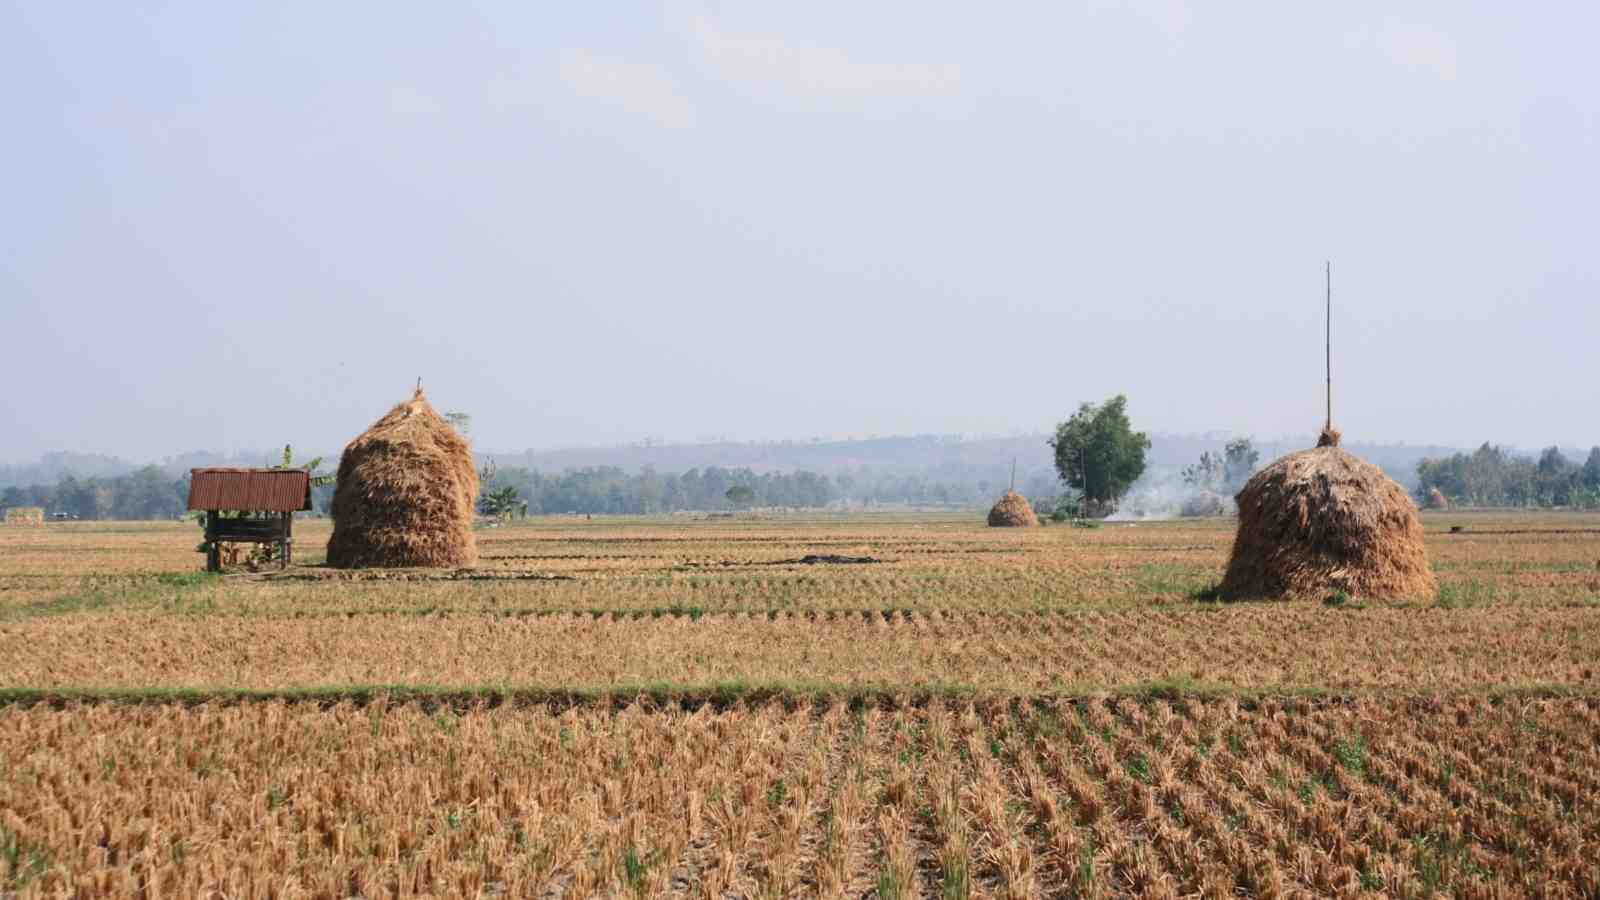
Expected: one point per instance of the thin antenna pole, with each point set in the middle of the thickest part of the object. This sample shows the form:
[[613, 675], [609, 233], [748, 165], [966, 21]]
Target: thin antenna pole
[[1328, 346]]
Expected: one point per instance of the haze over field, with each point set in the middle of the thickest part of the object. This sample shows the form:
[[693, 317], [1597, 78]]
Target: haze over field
[[227, 227]]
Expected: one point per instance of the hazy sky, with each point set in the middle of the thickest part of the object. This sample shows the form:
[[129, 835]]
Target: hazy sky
[[230, 225]]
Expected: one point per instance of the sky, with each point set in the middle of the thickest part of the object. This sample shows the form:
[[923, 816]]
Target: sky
[[226, 226]]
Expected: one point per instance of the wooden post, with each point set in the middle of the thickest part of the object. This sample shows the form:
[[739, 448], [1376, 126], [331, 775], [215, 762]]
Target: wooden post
[[213, 552], [288, 540]]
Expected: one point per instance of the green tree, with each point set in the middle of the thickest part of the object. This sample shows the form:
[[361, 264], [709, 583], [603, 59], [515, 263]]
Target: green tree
[[1098, 452], [1238, 463], [1552, 462], [740, 495], [1591, 470], [649, 491], [1556, 478], [76, 498], [500, 502]]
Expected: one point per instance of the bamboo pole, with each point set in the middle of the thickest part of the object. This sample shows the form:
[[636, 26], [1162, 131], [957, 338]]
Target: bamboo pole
[[1328, 343]]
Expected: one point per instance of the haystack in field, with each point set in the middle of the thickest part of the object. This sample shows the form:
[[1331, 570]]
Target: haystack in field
[[1320, 521], [25, 515], [1012, 511], [405, 494], [1437, 499]]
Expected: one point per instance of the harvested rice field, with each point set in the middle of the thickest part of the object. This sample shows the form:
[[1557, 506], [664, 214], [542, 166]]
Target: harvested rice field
[[854, 706]]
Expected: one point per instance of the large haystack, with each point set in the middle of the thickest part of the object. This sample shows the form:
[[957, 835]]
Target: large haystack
[[1012, 511], [1320, 521], [405, 494]]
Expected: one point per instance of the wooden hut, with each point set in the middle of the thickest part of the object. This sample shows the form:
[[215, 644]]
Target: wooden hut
[[263, 503]]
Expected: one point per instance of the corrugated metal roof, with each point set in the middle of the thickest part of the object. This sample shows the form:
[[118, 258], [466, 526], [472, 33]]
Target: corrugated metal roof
[[257, 490]]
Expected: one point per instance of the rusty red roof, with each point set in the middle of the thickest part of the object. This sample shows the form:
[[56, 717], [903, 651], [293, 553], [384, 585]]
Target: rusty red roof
[[256, 490]]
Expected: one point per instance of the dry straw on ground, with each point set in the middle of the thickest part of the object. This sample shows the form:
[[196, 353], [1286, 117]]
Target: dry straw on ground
[[1454, 797], [1248, 646], [405, 494], [1012, 511], [1321, 521]]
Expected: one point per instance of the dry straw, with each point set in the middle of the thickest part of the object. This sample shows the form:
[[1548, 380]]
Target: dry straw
[[1321, 521], [405, 494], [1012, 511]]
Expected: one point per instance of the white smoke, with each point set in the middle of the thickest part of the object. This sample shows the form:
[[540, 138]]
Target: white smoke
[[1161, 493]]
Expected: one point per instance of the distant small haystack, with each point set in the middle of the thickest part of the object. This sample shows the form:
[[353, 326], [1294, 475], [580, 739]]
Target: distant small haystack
[[1437, 500], [1320, 521], [405, 494], [25, 515], [1012, 511]]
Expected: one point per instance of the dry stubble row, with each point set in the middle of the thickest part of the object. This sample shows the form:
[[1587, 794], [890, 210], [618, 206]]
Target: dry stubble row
[[1251, 646], [1097, 798]]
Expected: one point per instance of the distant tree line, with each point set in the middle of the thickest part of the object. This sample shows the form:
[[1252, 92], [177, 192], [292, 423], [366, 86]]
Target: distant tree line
[[148, 493], [1489, 476], [611, 490], [1492, 476]]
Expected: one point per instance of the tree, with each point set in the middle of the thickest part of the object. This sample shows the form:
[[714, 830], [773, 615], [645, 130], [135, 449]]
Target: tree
[[1226, 473], [1207, 474], [740, 495], [649, 490], [1098, 452], [1552, 462], [500, 502], [1591, 470], [1239, 463], [76, 498], [144, 494], [1557, 476]]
